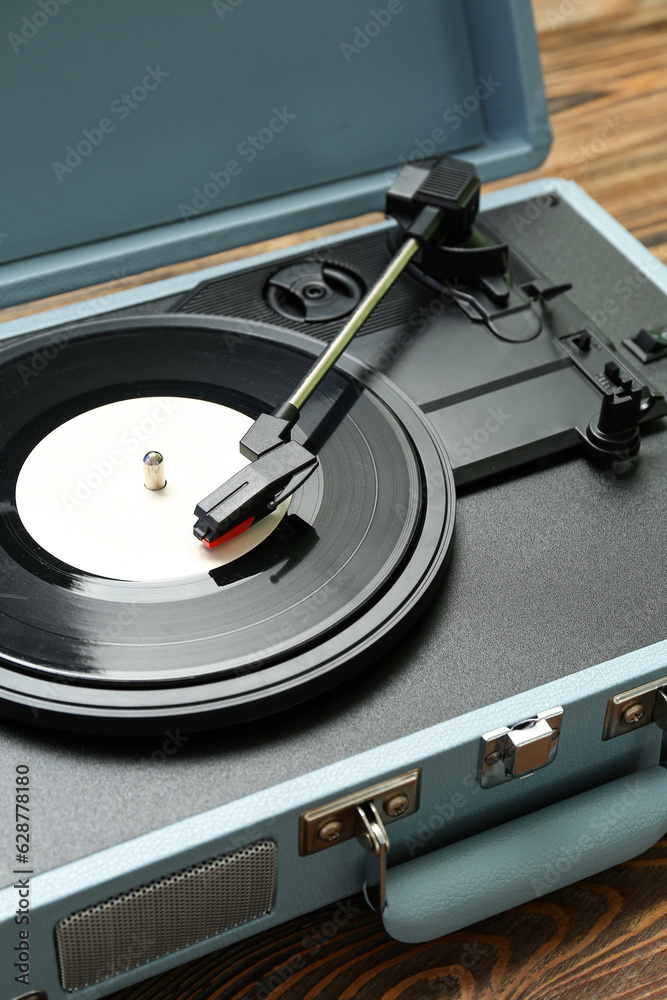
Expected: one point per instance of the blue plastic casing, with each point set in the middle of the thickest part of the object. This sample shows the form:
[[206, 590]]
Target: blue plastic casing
[[140, 135]]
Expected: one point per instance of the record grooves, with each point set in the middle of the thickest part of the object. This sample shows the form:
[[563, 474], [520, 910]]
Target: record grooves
[[362, 547]]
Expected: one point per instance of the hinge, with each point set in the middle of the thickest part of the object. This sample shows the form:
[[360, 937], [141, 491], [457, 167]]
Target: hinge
[[364, 815], [517, 751], [636, 709]]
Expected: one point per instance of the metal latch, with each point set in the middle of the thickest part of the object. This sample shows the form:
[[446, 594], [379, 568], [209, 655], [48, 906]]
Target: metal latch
[[636, 708], [364, 815], [516, 751]]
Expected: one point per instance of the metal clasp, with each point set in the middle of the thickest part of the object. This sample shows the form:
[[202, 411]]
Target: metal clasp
[[364, 815], [517, 751], [637, 708]]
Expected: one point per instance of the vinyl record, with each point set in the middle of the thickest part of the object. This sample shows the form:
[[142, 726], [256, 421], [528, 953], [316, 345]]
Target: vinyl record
[[112, 616]]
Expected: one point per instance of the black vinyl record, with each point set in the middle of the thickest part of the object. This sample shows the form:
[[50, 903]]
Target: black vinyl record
[[364, 543]]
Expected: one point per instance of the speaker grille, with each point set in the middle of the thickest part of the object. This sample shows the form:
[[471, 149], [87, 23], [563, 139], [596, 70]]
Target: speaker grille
[[163, 916]]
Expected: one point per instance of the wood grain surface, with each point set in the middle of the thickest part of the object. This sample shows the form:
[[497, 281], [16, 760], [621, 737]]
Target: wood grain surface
[[605, 65], [596, 940]]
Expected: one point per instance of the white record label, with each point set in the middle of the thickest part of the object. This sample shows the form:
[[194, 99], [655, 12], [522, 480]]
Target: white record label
[[81, 494]]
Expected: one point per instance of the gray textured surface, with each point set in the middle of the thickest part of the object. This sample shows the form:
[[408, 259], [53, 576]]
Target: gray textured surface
[[554, 570]]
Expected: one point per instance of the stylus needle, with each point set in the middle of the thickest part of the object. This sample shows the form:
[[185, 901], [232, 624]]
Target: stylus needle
[[279, 465], [431, 204], [253, 493]]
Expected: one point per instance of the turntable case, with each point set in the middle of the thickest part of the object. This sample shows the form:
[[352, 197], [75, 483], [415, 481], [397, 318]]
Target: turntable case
[[208, 78], [127, 848]]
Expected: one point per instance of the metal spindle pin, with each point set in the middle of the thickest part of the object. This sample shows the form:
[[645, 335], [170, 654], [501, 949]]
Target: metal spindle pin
[[154, 471]]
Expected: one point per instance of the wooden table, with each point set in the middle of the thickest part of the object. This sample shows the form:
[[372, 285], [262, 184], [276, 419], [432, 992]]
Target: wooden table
[[605, 64]]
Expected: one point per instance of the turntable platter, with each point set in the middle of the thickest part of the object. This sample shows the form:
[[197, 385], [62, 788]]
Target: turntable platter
[[81, 496], [93, 636]]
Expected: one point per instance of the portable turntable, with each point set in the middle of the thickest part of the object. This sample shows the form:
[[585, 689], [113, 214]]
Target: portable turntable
[[205, 724]]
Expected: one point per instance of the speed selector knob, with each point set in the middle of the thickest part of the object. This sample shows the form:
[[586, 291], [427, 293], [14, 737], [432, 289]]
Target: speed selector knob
[[314, 292]]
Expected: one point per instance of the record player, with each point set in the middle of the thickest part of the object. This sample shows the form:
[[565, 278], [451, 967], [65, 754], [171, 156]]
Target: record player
[[437, 646]]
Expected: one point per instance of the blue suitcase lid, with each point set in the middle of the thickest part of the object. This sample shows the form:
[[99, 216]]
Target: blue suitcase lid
[[169, 131]]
